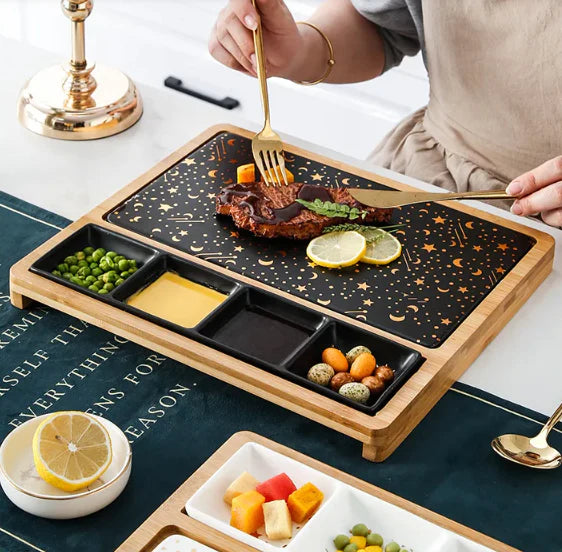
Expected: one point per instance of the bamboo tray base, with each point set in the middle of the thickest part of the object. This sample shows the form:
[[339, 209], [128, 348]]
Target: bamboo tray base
[[379, 434], [170, 518]]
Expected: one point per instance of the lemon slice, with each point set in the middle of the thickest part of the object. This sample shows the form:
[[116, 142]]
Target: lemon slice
[[337, 249], [383, 250], [71, 450]]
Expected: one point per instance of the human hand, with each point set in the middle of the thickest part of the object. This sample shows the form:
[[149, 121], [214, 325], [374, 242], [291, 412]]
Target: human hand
[[232, 43], [540, 191]]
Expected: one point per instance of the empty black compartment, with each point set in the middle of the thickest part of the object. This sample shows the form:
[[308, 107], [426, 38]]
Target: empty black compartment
[[186, 269], [261, 328], [94, 236], [403, 360]]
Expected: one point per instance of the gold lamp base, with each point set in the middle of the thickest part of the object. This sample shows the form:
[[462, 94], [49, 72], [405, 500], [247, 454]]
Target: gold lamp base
[[70, 104]]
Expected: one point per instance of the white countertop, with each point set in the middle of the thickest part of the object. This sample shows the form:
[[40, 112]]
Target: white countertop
[[523, 364]]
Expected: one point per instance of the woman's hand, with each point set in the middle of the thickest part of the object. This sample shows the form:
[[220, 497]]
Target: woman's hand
[[540, 191], [232, 43]]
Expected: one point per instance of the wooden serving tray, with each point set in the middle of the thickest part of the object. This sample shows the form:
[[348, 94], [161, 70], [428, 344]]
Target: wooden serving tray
[[170, 518], [380, 434]]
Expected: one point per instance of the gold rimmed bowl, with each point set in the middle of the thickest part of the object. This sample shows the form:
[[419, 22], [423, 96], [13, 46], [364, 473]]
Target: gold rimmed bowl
[[24, 487]]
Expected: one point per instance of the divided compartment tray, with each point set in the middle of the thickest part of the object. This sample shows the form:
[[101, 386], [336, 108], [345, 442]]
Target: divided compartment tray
[[197, 509], [283, 382]]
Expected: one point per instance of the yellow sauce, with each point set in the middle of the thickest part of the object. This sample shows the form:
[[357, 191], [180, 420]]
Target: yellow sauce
[[177, 300]]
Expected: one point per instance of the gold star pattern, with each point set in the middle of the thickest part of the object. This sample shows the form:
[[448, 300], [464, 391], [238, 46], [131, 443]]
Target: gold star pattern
[[451, 291]]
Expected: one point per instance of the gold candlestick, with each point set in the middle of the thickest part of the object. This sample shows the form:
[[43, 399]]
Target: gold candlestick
[[77, 101]]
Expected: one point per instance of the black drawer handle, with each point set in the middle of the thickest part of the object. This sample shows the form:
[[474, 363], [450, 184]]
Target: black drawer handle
[[176, 84]]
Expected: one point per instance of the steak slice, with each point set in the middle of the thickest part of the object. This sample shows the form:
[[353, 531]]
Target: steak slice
[[272, 212]]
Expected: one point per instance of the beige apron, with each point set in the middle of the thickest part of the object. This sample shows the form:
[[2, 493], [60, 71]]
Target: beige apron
[[495, 109]]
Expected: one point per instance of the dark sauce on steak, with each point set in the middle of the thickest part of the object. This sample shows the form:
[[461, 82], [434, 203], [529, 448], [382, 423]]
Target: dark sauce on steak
[[307, 192]]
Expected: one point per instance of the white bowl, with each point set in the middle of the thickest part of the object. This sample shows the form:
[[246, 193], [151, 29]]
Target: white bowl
[[24, 487]]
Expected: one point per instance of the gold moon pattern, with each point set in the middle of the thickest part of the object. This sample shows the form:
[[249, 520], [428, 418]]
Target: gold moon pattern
[[451, 284]]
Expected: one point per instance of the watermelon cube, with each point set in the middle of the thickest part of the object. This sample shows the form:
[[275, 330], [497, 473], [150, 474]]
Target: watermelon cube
[[276, 488]]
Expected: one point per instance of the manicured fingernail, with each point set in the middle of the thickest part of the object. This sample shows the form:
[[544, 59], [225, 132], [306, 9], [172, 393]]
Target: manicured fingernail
[[251, 23], [516, 209], [253, 60], [514, 188]]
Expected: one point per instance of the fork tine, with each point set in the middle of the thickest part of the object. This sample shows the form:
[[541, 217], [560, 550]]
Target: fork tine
[[268, 166], [281, 164], [272, 157], [259, 163]]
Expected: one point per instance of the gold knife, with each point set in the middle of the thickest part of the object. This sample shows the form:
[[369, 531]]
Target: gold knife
[[383, 199]]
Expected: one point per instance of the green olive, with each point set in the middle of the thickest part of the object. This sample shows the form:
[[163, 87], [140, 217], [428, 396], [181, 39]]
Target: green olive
[[63, 267], [111, 254], [103, 291], [132, 270], [341, 541], [71, 260], [91, 280], [94, 288], [109, 286], [77, 281], [80, 255], [98, 254], [67, 275], [83, 272], [119, 281], [94, 265], [360, 530], [374, 539], [125, 274], [351, 547], [118, 258], [83, 263], [392, 547], [133, 263], [74, 269], [100, 283], [97, 272], [56, 273], [124, 265], [106, 263], [88, 250], [110, 276], [89, 259]]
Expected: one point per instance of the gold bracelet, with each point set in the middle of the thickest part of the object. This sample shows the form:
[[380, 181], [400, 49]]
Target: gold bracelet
[[331, 61]]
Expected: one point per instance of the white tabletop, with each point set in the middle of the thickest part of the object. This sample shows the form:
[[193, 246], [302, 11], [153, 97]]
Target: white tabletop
[[523, 364]]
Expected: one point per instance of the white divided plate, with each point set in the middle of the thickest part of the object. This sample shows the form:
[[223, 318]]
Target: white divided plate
[[343, 507], [207, 504], [179, 543]]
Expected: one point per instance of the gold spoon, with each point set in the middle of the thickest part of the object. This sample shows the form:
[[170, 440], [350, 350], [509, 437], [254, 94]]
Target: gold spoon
[[535, 452]]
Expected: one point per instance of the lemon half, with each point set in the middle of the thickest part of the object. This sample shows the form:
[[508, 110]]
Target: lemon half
[[383, 250], [337, 249], [71, 450]]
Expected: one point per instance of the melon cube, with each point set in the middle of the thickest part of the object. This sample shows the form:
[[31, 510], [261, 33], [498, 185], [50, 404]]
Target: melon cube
[[278, 523], [242, 484], [247, 512], [277, 488], [304, 502]]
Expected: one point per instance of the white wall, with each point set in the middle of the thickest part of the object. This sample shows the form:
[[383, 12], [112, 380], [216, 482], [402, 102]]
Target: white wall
[[151, 39]]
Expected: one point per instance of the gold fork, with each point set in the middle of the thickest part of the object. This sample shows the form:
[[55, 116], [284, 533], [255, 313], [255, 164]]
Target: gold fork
[[267, 146]]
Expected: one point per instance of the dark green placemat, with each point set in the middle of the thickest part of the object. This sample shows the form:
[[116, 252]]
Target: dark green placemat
[[445, 465]]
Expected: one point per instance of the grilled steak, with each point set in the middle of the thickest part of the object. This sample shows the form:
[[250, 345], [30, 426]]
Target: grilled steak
[[272, 212]]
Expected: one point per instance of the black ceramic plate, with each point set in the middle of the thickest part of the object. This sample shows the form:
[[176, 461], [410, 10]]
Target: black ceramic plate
[[450, 262]]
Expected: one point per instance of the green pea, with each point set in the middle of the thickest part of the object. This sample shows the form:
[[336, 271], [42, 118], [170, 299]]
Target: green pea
[[351, 547], [83, 272], [374, 539], [63, 267], [123, 265], [103, 291], [98, 254], [93, 265], [88, 250], [94, 288], [132, 270], [111, 254], [118, 258], [100, 283], [89, 259], [67, 275], [97, 272], [71, 260], [74, 269], [133, 263], [91, 280], [80, 255], [106, 263], [119, 281], [125, 274], [392, 547], [341, 541], [109, 286], [56, 273], [83, 263], [110, 276], [360, 530], [77, 281]]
